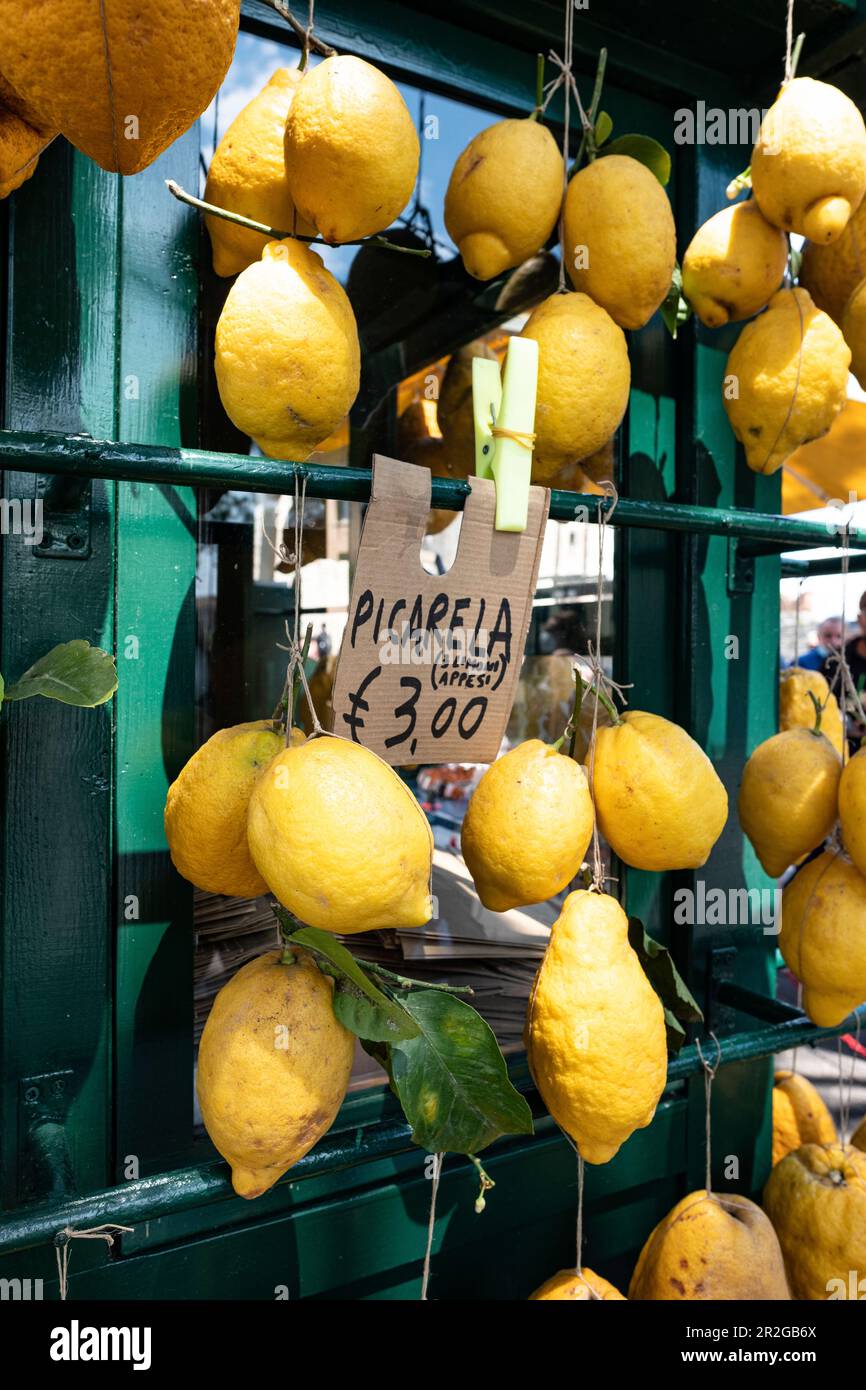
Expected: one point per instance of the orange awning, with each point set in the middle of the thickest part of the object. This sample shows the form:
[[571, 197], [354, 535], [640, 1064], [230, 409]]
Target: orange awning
[[831, 467]]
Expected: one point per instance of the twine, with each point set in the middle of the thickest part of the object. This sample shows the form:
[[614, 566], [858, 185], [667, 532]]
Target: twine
[[64, 1239], [565, 79], [846, 1089], [709, 1078], [789, 42], [438, 1160], [524, 437]]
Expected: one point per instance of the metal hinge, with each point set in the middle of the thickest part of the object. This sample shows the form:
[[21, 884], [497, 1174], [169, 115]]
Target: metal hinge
[[741, 569], [65, 504]]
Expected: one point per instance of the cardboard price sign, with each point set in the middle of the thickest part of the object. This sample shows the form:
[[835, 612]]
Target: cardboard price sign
[[429, 663]]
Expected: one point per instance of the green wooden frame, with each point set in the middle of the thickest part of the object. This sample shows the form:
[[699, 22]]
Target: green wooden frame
[[96, 999]]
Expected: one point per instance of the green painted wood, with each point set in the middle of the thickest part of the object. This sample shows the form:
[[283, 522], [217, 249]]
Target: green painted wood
[[727, 685], [56, 833], [155, 616]]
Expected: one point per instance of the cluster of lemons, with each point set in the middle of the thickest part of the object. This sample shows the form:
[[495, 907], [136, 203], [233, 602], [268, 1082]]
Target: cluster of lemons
[[797, 794], [787, 374]]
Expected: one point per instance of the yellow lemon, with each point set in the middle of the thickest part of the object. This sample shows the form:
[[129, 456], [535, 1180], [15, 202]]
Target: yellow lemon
[[733, 265], [119, 79], [799, 1115], [852, 808], [583, 1287], [853, 327], [273, 1068], [248, 175], [823, 937], [599, 1080], [832, 273], [619, 238], [809, 163], [796, 710], [351, 150], [287, 356], [816, 1200], [206, 809], [711, 1247], [527, 827], [23, 137], [788, 796], [504, 196], [658, 800], [786, 379], [583, 380], [340, 840]]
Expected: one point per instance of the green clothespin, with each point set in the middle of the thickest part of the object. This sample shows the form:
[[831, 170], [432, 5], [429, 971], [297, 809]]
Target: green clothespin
[[504, 410]]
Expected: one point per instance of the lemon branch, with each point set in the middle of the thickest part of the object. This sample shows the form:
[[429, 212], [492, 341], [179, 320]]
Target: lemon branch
[[587, 142], [303, 31], [539, 87], [819, 710], [275, 233]]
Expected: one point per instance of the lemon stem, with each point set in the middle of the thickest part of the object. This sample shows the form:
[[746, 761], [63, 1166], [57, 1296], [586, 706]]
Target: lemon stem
[[405, 983], [308, 39], [539, 88], [819, 710], [587, 141], [275, 233], [795, 56], [296, 679]]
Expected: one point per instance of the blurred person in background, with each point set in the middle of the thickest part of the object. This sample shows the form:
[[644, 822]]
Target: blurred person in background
[[830, 635], [855, 657]]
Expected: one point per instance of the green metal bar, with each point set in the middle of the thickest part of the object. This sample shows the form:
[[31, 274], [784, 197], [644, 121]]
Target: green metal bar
[[168, 1193], [829, 564], [142, 463]]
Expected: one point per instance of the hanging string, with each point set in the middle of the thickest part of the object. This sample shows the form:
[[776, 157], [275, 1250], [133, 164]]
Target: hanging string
[[797, 622], [438, 1160], [63, 1244], [846, 1088], [599, 682], [709, 1078], [565, 79], [789, 43]]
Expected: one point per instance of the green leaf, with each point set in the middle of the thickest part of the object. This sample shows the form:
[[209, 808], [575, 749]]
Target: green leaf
[[645, 150], [603, 127], [676, 309], [358, 1003], [451, 1080], [73, 672], [679, 1003]]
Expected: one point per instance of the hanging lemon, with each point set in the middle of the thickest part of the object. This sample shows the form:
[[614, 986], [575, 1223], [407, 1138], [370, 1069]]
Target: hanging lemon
[[287, 361], [119, 79], [619, 238], [809, 163], [248, 175], [351, 150], [504, 196], [788, 796], [734, 263], [823, 938], [786, 379]]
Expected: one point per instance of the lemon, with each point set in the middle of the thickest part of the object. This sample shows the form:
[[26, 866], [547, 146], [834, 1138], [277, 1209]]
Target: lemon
[[619, 238], [658, 800], [287, 356], [823, 938], [852, 808], [119, 79], [799, 1115], [583, 1287], [583, 380], [206, 809], [20, 147], [599, 1080], [785, 380], [809, 163], [273, 1068], [340, 840], [853, 327], [527, 826], [816, 1200], [832, 273], [248, 175], [788, 796], [504, 196], [711, 1247], [734, 263], [351, 150], [796, 710]]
